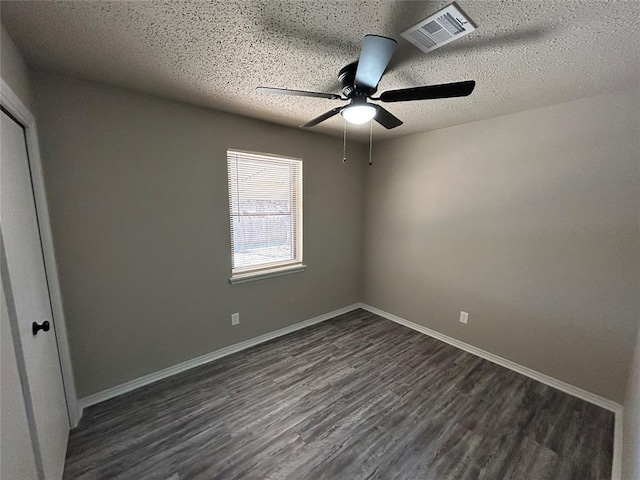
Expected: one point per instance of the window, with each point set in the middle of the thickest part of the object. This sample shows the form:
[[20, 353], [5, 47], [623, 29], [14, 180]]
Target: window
[[265, 206]]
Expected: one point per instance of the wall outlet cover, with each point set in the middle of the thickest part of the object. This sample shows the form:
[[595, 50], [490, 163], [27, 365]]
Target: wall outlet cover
[[235, 318], [464, 317]]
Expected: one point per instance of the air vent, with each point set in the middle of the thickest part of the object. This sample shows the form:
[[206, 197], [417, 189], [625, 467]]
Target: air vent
[[441, 28]]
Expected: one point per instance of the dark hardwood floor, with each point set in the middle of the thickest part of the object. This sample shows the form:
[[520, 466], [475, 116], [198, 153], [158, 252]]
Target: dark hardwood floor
[[356, 397]]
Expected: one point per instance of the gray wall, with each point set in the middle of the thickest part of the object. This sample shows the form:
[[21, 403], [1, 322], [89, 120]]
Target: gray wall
[[13, 69], [137, 190], [529, 222], [631, 429]]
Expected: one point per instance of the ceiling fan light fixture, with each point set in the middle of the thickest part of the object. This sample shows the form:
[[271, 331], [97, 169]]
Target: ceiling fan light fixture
[[358, 114], [359, 81]]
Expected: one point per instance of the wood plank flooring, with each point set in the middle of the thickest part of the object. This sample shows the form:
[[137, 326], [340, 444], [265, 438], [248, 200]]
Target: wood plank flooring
[[356, 397]]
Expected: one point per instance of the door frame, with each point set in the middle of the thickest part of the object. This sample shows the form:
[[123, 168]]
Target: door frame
[[12, 103]]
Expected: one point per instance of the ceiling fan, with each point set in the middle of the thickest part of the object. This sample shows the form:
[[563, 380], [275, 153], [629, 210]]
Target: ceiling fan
[[360, 80]]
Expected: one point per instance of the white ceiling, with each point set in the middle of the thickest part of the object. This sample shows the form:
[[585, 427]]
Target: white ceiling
[[525, 54]]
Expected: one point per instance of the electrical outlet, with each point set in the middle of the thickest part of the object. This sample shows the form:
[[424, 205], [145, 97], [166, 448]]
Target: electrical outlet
[[235, 318], [464, 317]]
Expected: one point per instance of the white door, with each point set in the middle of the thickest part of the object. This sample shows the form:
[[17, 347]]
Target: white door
[[17, 458], [25, 264]]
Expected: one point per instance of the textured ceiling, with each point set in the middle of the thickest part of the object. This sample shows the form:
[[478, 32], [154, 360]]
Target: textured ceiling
[[525, 54]]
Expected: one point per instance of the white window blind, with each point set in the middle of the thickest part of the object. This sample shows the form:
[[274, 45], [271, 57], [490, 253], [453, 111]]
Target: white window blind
[[265, 206]]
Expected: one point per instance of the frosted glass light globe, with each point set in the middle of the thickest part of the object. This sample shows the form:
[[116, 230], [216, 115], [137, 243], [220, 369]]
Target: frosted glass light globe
[[358, 114]]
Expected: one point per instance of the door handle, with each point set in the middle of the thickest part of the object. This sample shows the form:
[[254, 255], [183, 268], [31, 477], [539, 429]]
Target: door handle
[[35, 328]]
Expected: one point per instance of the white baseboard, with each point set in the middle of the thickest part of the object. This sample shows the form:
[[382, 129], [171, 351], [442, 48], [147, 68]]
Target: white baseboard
[[580, 393], [585, 395], [527, 372], [616, 471], [203, 359]]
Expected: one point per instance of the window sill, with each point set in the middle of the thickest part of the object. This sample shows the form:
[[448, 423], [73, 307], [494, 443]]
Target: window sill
[[274, 272]]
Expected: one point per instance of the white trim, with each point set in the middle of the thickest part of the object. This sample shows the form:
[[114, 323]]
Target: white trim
[[526, 371], [616, 467], [580, 393], [607, 404], [14, 105], [616, 408], [260, 156], [272, 272], [209, 357]]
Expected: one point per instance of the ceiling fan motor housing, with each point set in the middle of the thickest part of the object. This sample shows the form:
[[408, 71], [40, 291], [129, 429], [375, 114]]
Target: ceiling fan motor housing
[[347, 76]]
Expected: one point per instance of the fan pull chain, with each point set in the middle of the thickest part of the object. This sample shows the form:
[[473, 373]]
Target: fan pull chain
[[370, 140], [344, 143]]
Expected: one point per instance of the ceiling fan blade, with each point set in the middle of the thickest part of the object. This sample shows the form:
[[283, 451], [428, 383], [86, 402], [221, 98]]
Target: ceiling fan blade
[[374, 58], [299, 93], [322, 118], [385, 118], [446, 90]]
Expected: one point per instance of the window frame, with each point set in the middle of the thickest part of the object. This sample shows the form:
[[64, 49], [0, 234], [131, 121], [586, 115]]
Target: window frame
[[258, 272]]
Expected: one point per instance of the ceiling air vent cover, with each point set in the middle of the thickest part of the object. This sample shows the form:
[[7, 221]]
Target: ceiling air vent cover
[[441, 28]]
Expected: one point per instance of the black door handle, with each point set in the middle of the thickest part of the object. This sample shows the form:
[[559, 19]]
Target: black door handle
[[35, 328]]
